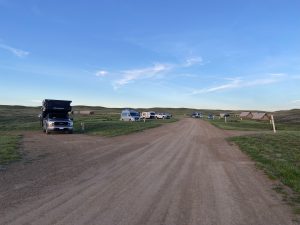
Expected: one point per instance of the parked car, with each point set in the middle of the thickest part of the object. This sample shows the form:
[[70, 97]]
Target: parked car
[[169, 115], [130, 115], [210, 117], [162, 116], [197, 115], [148, 115]]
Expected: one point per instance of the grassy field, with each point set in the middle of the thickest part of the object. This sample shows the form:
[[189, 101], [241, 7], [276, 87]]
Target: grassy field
[[14, 120], [18, 118], [252, 125], [110, 125], [9, 148], [279, 156]]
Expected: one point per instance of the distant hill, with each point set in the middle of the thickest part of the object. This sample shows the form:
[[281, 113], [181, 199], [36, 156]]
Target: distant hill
[[288, 116]]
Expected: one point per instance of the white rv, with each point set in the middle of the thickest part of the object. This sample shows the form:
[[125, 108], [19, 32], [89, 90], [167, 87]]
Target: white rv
[[130, 115], [148, 115]]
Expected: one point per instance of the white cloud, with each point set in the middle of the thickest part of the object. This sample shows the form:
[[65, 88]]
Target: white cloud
[[158, 69], [235, 83], [238, 83], [101, 73], [193, 61], [17, 52], [296, 101], [129, 76]]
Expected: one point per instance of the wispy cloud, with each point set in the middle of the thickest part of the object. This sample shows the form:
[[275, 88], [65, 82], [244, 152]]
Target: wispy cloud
[[193, 61], [235, 83], [238, 82], [129, 76], [295, 101], [17, 52], [101, 73], [155, 71]]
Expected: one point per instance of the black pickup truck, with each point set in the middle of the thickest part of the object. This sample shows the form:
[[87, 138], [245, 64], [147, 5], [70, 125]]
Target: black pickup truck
[[55, 116]]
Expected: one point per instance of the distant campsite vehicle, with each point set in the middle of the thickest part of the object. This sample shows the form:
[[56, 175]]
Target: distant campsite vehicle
[[197, 115], [169, 115], [148, 115], [130, 115], [55, 116], [223, 115], [210, 117], [162, 116]]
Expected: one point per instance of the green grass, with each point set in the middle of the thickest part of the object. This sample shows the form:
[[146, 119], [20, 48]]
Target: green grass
[[9, 144], [278, 155], [252, 125], [19, 118], [110, 125]]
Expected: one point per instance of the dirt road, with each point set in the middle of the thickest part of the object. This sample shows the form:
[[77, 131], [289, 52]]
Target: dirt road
[[181, 173]]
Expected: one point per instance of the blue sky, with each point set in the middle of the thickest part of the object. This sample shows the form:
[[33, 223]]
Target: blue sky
[[213, 54]]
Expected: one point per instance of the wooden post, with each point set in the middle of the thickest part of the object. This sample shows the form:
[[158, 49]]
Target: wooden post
[[82, 127], [225, 119], [273, 123]]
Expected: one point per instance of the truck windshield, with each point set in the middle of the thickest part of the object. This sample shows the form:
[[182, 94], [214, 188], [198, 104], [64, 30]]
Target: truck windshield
[[58, 116]]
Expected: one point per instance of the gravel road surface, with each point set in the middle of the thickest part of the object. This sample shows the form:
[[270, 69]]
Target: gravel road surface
[[181, 173]]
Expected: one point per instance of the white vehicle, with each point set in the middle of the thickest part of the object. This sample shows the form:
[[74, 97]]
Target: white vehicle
[[162, 116], [148, 115], [130, 115]]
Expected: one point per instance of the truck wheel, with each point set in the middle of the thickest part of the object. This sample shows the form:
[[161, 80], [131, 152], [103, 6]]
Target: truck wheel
[[70, 132]]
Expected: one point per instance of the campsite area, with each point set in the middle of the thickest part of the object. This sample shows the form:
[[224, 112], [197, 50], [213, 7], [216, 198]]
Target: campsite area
[[182, 171]]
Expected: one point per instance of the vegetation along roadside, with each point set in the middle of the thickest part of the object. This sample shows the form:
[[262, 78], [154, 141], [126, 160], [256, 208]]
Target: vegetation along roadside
[[279, 156], [9, 148]]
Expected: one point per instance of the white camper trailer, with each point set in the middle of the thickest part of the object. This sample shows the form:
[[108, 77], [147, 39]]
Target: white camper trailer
[[148, 115]]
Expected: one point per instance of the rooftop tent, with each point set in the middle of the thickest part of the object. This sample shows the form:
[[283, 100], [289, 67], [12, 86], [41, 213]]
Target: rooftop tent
[[50, 105]]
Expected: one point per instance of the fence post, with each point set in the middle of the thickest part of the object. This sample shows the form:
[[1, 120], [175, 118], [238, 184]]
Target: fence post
[[82, 127], [273, 123]]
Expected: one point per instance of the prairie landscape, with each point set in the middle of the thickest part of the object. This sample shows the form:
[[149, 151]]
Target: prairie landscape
[[200, 161]]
